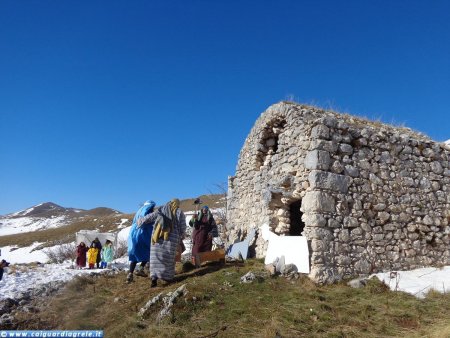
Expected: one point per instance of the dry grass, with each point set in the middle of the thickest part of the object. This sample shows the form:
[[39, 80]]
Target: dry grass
[[213, 201], [218, 305], [362, 122]]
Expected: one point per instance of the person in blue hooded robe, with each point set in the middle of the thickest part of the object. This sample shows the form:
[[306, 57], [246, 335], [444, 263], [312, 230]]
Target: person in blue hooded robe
[[139, 241]]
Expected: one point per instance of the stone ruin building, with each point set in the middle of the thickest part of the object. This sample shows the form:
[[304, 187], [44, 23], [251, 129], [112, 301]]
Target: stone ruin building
[[369, 197]]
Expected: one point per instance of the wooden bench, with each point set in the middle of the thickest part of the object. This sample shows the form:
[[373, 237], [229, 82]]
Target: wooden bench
[[209, 256]]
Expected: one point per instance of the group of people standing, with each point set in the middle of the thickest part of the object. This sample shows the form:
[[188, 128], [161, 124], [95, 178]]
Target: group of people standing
[[97, 255], [156, 235]]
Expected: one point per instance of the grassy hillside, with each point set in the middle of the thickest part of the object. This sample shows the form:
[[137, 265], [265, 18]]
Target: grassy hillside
[[217, 305], [213, 201]]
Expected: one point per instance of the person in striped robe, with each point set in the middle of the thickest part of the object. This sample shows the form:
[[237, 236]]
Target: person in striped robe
[[168, 232]]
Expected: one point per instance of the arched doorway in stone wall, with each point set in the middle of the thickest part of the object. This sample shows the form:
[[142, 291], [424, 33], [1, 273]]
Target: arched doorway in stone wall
[[268, 144]]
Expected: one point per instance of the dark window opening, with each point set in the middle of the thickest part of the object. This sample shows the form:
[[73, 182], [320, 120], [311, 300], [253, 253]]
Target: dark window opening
[[297, 224]]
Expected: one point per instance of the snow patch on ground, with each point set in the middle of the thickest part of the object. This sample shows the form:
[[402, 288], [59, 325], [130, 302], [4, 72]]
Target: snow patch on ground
[[123, 221], [24, 255], [19, 278], [417, 282], [10, 226], [25, 278]]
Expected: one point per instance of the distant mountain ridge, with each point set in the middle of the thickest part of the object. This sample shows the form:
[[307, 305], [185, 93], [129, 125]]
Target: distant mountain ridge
[[50, 209]]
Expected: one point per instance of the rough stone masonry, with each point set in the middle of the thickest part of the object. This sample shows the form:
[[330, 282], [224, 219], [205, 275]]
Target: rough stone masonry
[[368, 197]]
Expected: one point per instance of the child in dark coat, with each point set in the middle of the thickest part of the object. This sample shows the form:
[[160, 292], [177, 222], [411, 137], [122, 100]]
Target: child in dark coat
[[3, 264], [98, 245]]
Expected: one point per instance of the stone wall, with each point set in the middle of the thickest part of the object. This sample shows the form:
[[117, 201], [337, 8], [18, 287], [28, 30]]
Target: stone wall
[[373, 197]]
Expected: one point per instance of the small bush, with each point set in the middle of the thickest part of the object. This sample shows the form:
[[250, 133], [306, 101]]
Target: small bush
[[62, 253], [122, 248]]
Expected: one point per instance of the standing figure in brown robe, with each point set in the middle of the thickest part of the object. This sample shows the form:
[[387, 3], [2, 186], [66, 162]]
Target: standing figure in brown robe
[[205, 229], [82, 249]]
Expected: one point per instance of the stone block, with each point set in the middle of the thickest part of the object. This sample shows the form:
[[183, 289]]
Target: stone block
[[314, 220], [379, 250], [344, 235], [363, 266], [345, 149], [328, 181], [379, 207], [378, 237], [427, 220], [428, 153], [350, 222], [390, 227], [384, 216], [332, 223], [320, 132], [356, 232], [330, 121], [424, 228], [343, 260], [375, 179], [317, 245], [282, 212], [318, 201], [351, 171], [329, 146], [317, 159], [436, 167], [337, 167], [320, 233], [408, 181]]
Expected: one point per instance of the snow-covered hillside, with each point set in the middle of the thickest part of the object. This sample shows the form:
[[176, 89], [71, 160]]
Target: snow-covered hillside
[[23, 278], [39, 217], [9, 226], [46, 216]]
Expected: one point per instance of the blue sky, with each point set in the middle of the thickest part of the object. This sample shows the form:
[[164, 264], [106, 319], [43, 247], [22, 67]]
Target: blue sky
[[109, 103]]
